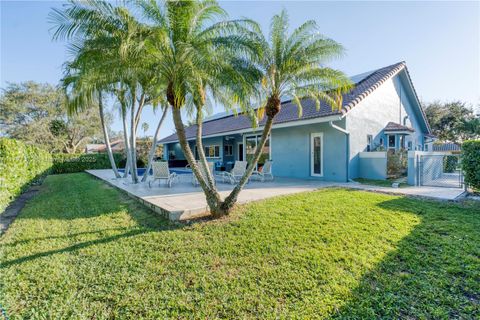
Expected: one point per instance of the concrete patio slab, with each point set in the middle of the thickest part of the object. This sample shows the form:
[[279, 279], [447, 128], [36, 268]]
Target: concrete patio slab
[[185, 202]]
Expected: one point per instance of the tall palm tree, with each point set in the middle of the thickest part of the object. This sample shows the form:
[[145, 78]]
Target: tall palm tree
[[191, 50], [107, 39], [192, 46], [292, 66]]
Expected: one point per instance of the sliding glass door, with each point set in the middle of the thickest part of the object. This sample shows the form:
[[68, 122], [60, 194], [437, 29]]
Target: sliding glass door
[[251, 143]]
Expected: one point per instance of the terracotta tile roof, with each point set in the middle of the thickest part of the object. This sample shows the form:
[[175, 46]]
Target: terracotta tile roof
[[289, 111], [392, 126]]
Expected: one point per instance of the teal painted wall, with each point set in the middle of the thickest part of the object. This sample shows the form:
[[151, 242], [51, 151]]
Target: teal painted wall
[[373, 168], [372, 114], [290, 152]]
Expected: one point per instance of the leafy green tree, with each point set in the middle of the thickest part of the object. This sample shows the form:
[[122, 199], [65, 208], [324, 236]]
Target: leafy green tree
[[36, 114], [452, 121]]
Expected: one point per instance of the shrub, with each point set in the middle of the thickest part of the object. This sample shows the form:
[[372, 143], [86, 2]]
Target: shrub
[[20, 166], [397, 163], [450, 164], [123, 162], [471, 163], [70, 163]]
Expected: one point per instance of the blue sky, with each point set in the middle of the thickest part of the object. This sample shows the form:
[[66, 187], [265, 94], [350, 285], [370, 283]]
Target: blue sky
[[440, 41]]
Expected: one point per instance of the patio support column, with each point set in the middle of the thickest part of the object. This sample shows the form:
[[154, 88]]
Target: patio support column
[[347, 146]]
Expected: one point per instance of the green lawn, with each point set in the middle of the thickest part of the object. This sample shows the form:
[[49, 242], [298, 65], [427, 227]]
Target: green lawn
[[82, 250]]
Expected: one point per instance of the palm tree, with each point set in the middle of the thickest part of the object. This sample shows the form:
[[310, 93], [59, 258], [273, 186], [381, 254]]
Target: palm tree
[[107, 39], [293, 66], [191, 52]]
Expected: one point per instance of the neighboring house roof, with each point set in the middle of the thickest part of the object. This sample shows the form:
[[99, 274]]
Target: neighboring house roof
[[446, 147], [365, 84], [117, 146], [392, 126]]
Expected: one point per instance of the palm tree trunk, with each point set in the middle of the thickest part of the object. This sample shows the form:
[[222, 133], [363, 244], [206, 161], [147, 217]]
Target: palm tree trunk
[[105, 135], [125, 139], [231, 199], [201, 151], [151, 154], [212, 196], [133, 142]]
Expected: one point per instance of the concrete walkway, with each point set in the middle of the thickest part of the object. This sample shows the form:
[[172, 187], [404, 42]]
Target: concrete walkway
[[185, 202]]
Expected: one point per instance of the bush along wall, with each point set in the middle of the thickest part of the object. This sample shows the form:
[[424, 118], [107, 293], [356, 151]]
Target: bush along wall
[[70, 163], [471, 163], [20, 166]]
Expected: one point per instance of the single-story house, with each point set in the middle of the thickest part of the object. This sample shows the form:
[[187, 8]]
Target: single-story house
[[382, 111]]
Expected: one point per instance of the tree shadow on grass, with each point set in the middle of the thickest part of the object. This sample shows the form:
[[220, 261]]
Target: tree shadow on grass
[[56, 203], [433, 274]]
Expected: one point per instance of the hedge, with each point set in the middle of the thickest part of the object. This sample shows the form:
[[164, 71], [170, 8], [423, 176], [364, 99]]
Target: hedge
[[20, 166], [471, 163], [70, 163]]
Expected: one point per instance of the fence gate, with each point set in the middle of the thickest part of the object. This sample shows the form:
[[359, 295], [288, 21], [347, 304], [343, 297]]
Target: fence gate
[[440, 170]]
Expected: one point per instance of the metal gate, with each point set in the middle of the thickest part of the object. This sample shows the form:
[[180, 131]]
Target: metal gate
[[440, 170]]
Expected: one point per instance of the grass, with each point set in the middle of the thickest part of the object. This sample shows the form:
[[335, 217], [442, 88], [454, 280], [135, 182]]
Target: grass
[[82, 250], [380, 183]]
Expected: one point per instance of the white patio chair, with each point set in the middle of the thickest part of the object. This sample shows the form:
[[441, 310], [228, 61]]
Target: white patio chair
[[161, 171], [266, 172], [236, 173], [204, 174]]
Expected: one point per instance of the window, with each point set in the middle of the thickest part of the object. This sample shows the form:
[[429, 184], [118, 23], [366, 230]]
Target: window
[[228, 150], [426, 147], [391, 142], [369, 142], [212, 151], [409, 145], [402, 142], [251, 143], [381, 142]]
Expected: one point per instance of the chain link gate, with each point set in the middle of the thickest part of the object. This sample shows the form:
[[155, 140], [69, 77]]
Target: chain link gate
[[441, 170]]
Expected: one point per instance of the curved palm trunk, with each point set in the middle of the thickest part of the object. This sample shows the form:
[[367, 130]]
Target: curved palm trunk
[[127, 154], [105, 135], [126, 141], [231, 199], [212, 196], [151, 154], [133, 142], [201, 151]]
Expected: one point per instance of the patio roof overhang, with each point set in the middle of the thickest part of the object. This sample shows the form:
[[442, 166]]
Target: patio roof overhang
[[275, 126]]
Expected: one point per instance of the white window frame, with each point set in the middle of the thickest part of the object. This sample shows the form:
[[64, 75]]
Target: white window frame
[[207, 154], [238, 150], [245, 136], [394, 141], [312, 136]]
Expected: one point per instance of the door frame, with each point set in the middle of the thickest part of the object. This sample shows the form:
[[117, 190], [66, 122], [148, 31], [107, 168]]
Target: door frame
[[238, 150], [312, 136]]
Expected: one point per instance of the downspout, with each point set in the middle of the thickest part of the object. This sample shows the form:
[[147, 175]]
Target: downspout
[[347, 146]]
